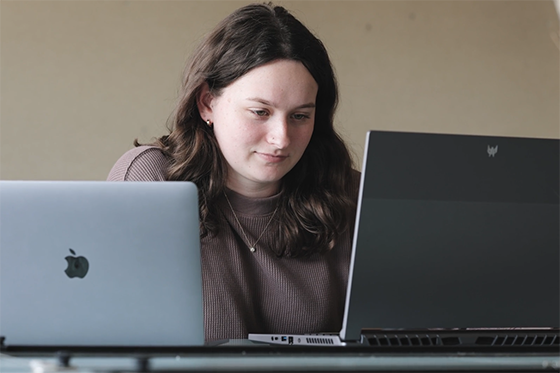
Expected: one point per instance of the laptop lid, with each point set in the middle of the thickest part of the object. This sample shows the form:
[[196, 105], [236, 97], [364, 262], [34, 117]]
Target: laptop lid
[[453, 232], [100, 264]]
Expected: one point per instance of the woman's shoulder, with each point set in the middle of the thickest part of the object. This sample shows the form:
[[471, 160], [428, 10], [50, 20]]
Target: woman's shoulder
[[142, 163]]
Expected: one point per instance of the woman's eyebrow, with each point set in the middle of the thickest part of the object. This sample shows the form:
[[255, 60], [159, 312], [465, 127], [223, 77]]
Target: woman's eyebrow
[[266, 102]]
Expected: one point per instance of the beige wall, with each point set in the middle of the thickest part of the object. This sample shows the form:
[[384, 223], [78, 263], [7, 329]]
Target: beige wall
[[81, 79]]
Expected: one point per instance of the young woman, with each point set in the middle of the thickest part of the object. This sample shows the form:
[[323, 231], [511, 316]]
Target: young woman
[[254, 130]]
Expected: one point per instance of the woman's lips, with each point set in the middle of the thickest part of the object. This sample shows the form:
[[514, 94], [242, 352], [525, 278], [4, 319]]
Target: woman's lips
[[272, 158]]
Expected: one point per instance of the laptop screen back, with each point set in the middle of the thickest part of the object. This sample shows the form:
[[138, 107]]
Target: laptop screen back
[[141, 284], [455, 231]]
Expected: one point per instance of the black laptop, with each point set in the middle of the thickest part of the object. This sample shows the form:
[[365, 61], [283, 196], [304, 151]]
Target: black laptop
[[456, 244]]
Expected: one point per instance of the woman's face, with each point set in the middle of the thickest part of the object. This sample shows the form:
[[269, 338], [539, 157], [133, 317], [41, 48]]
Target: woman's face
[[263, 123]]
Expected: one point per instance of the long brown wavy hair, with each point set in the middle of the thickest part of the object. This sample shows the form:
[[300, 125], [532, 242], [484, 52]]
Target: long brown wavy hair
[[317, 200]]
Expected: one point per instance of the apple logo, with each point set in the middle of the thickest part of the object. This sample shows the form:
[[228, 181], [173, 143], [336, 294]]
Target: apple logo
[[77, 265]]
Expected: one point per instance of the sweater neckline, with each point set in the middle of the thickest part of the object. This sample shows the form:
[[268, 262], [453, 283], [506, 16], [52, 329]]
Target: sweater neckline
[[252, 206]]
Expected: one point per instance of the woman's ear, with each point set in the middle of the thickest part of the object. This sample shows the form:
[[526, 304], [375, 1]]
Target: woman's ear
[[204, 103]]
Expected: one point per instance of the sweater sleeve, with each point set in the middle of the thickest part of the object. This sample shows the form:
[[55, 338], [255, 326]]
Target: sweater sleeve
[[143, 163]]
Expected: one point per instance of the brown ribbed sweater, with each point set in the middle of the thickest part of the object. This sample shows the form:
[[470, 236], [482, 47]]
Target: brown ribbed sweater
[[258, 292]]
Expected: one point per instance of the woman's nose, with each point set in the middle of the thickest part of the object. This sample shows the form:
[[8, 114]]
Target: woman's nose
[[278, 135]]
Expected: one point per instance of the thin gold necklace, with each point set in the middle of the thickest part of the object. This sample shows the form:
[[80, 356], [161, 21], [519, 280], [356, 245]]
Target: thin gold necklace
[[251, 247]]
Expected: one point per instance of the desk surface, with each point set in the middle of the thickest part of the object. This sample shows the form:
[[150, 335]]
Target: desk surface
[[290, 363]]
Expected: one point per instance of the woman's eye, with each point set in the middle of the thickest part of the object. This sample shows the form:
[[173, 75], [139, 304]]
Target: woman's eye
[[300, 116], [260, 113]]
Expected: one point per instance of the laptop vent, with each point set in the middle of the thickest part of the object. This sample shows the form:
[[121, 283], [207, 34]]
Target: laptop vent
[[519, 340], [412, 340], [532, 339], [322, 341]]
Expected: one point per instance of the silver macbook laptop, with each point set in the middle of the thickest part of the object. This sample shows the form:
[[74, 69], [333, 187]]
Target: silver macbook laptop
[[100, 264], [456, 241]]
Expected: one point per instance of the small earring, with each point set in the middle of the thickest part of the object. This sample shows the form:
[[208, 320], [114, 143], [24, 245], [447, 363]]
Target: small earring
[[210, 124]]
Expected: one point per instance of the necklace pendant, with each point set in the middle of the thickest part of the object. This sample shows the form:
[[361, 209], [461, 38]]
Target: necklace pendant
[[252, 249]]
